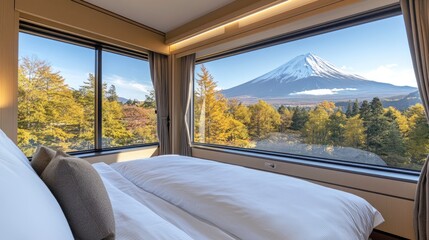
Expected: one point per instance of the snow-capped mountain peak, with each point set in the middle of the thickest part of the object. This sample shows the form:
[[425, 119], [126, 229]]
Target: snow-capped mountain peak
[[303, 66], [310, 78]]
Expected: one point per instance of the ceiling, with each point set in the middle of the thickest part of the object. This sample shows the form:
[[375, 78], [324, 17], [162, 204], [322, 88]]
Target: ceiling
[[163, 15]]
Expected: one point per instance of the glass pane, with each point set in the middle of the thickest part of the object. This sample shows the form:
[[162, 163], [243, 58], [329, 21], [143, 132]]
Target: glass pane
[[55, 95], [129, 116], [348, 95]]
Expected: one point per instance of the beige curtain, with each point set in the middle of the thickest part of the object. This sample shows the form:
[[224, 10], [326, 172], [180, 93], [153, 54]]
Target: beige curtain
[[159, 73], [417, 24], [187, 68]]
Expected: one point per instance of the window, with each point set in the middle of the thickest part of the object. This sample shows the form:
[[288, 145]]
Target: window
[[129, 102], [60, 104], [346, 96], [55, 97]]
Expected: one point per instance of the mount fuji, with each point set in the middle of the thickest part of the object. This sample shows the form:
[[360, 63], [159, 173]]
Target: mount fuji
[[309, 78]]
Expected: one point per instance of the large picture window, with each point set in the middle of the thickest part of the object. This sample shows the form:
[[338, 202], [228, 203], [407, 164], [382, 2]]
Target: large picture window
[[347, 95], [129, 102], [61, 105]]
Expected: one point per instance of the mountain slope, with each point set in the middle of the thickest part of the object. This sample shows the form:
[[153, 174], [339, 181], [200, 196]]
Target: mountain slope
[[401, 102], [308, 76]]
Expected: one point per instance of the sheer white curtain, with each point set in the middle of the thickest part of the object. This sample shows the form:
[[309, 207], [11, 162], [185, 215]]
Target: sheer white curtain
[[187, 68], [417, 23], [159, 73]]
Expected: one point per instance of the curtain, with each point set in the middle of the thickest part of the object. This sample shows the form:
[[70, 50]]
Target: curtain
[[187, 68], [159, 73], [417, 24]]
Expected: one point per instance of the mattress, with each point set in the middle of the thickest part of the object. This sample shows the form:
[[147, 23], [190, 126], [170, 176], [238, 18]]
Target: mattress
[[177, 197]]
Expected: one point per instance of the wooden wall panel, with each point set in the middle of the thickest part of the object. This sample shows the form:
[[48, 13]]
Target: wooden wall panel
[[80, 19], [8, 68]]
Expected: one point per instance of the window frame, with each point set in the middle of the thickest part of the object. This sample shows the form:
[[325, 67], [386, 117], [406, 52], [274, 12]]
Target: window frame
[[98, 47], [346, 22]]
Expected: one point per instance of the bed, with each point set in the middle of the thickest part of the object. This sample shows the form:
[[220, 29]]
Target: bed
[[168, 197], [177, 197]]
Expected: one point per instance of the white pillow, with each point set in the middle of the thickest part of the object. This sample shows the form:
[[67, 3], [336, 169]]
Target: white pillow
[[28, 209], [7, 146]]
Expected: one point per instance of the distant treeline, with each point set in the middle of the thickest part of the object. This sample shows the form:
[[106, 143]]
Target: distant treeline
[[400, 138]]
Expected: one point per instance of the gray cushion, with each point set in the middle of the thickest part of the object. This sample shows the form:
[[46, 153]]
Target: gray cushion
[[41, 158], [82, 196]]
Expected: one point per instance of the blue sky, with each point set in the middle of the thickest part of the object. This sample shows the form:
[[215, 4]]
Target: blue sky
[[130, 76], [377, 51]]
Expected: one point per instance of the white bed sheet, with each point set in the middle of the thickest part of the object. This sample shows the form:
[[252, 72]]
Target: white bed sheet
[[242, 203], [142, 215]]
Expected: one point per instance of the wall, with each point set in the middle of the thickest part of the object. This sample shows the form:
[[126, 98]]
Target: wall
[[8, 67]]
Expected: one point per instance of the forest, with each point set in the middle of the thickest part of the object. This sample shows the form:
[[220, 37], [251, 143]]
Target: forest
[[399, 138], [53, 114]]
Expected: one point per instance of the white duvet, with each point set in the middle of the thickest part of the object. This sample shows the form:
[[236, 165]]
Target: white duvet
[[191, 198]]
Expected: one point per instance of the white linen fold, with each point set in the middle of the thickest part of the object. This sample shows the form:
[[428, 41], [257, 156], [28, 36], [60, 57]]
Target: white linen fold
[[141, 215], [252, 204]]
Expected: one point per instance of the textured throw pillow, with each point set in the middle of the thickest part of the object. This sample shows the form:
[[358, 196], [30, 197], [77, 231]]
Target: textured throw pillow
[[82, 196], [41, 158]]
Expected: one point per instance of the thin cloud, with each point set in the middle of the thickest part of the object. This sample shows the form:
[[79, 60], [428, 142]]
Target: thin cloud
[[129, 89], [393, 74], [123, 83], [323, 91]]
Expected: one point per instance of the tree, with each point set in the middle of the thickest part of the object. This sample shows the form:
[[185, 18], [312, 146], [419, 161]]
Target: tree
[[329, 107], [47, 111], [264, 120], [336, 125], [212, 108], [212, 120], [392, 143], [394, 115], [131, 102], [376, 107], [379, 129], [141, 122], [349, 109], [418, 136], [355, 110], [299, 118], [354, 132], [239, 111], [85, 98], [365, 111], [150, 102], [285, 117], [111, 94], [114, 130], [315, 129], [236, 133], [376, 130], [281, 109]]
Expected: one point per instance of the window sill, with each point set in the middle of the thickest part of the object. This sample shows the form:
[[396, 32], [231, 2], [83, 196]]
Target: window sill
[[373, 171], [111, 151]]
